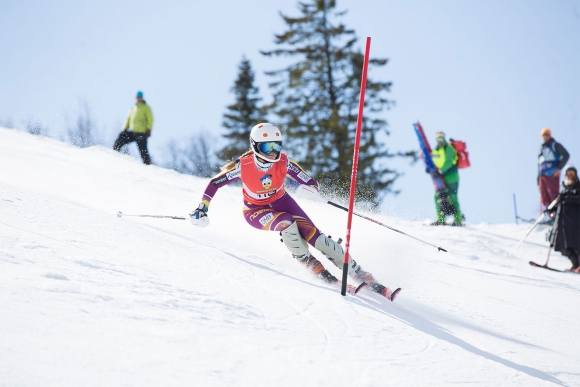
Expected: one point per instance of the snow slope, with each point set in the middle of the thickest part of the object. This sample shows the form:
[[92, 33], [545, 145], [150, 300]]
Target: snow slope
[[87, 298]]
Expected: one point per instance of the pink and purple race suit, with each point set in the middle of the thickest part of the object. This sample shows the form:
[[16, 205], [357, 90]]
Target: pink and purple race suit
[[266, 204]]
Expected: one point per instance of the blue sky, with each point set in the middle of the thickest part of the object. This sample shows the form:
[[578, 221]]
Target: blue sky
[[491, 73]]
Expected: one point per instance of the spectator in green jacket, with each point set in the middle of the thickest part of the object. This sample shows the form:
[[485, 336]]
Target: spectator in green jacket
[[445, 159], [137, 128]]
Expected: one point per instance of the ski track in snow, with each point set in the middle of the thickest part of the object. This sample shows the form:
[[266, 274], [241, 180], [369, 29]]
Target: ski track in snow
[[87, 298]]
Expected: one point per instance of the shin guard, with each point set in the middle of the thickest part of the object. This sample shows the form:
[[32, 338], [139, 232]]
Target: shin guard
[[293, 240], [335, 253]]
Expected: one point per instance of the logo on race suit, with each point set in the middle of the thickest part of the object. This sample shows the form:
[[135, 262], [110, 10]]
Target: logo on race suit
[[255, 214], [304, 177], [234, 174], [267, 194], [266, 181], [293, 168], [266, 218], [220, 180]]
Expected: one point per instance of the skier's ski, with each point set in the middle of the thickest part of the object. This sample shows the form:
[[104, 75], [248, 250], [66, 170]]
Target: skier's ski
[[359, 288], [546, 267], [395, 294], [447, 207], [426, 150], [383, 290], [354, 290], [351, 289]]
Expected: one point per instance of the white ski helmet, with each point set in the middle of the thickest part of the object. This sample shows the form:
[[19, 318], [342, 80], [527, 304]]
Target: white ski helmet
[[266, 138]]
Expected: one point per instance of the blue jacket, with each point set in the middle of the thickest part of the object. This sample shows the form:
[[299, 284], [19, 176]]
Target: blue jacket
[[552, 156]]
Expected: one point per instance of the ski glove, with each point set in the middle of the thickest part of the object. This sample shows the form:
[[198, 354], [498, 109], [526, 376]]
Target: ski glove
[[199, 216], [308, 192]]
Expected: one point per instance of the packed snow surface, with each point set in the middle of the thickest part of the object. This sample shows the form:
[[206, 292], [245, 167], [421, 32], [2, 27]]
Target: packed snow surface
[[88, 298]]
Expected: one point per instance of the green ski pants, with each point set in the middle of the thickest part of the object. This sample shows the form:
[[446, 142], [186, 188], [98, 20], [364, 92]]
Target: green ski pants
[[452, 183]]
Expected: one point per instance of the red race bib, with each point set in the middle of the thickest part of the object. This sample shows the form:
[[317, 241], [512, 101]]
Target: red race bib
[[259, 187]]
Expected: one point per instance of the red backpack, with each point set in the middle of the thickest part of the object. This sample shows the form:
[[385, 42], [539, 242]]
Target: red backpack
[[462, 154]]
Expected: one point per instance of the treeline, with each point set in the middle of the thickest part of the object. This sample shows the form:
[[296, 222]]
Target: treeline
[[194, 156], [83, 132], [314, 101]]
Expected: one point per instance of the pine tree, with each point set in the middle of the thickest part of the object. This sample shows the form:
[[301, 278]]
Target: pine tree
[[242, 115], [316, 103]]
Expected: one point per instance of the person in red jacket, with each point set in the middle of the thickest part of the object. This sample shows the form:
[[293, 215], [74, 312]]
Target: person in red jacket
[[267, 206]]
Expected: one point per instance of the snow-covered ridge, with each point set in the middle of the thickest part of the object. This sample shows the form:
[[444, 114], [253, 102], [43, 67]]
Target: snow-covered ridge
[[87, 298]]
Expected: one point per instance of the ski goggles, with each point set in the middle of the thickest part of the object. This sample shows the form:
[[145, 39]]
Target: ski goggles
[[269, 147]]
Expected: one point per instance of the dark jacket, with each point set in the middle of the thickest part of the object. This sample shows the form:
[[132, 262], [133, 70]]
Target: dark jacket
[[568, 233]]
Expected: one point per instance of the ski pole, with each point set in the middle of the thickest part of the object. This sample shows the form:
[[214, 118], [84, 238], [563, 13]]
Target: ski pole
[[554, 234], [534, 225], [516, 209], [384, 225], [120, 214], [529, 232]]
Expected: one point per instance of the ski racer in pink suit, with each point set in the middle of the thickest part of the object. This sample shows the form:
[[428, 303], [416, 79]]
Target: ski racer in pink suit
[[267, 206]]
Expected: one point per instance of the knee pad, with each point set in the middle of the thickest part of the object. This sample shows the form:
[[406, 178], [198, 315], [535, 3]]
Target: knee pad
[[293, 240]]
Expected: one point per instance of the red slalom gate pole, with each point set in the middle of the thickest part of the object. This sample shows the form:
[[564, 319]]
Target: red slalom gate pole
[[361, 105]]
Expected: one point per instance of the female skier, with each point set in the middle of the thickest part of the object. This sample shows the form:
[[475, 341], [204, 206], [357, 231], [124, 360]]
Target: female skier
[[267, 206]]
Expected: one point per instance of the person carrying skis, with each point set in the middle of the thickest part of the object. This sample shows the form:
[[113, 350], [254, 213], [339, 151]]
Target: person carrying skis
[[137, 128], [445, 159], [567, 226], [267, 206], [551, 159]]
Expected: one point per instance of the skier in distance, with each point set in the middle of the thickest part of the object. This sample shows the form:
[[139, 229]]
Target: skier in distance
[[267, 206], [137, 128], [551, 159], [445, 159]]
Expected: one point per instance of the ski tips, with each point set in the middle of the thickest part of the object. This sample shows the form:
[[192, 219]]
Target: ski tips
[[441, 249], [119, 214], [395, 294], [360, 287]]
